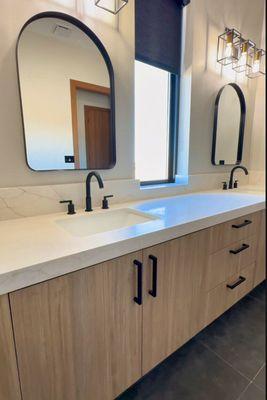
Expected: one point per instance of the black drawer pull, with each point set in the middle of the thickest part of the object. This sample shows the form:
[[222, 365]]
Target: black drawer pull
[[153, 292], [245, 223], [139, 298], [240, 280], [244, 247]]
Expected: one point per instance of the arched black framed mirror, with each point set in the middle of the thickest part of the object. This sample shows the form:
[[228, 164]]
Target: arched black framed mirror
[[67, 93], [229, 126]]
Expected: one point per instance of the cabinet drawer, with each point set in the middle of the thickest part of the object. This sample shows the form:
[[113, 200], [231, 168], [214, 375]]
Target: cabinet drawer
[[223, 297], [227, 262], [232, 231]]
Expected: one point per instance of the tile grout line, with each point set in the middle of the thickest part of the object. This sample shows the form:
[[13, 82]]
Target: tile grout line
[[253, 380], [226, 362], [244, 391]]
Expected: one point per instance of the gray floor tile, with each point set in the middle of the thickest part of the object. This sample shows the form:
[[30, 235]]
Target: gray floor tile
[[253, 393], [192, 373], [239, 336], [260, 379], [259, 292]]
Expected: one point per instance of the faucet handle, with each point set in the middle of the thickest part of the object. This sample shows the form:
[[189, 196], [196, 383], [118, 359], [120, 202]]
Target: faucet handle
[[105, 205], [71, 208], [236, 184], [225, 187]]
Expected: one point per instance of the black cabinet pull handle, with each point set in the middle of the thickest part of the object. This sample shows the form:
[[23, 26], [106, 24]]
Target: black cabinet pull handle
[[240, 280], [153, 292], [245, 223], [244, 247], [139, 298]]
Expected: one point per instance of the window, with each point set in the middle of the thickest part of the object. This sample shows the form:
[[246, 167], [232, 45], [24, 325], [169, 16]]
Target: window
[[156, 117], [158, 54]]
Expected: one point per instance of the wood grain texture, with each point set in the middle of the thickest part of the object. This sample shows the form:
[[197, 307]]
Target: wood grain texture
[[60, 337], [97, 137], [222, 235], [9, 380], [223, 264], [123, 321], [74, 87], [176, 314], [222, 298], [77, 335], [260, 270]]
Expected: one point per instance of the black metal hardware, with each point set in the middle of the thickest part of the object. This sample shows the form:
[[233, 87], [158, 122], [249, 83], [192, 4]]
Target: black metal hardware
[[240, 280], [88, 188], [153, 292], [139, 298], [91, 35], [236, 184], [71, 207], [241, 125], [105, 205], [245, 223], [231, 181], [244, 247], [225, 187]]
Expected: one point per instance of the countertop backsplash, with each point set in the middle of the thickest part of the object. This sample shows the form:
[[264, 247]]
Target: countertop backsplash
[[28, 201]]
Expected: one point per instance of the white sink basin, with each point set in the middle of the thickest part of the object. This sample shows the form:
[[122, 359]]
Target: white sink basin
[[92, 223]]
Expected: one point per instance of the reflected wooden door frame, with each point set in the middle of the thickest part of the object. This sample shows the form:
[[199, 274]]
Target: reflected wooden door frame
[[74, 86]]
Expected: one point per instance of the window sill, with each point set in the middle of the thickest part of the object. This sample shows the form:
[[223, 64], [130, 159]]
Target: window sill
[[180, 181]]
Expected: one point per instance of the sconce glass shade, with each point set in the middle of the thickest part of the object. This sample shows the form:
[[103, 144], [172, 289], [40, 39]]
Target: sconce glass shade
[[257, 64], [228, 46], [113, 6], [245, 56]]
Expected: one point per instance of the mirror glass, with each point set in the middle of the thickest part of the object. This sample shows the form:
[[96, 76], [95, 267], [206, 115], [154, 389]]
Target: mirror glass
[[229, 123], [66, 85]]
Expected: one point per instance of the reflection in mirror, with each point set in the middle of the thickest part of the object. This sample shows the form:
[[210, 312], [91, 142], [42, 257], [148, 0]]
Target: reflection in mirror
[[67, 96], [229, 124]]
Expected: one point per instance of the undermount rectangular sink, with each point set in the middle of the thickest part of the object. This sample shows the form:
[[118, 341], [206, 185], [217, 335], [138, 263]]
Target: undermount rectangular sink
[[92, 223]]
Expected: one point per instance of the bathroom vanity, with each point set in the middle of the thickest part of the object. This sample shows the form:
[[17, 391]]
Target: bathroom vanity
[[90, 333]]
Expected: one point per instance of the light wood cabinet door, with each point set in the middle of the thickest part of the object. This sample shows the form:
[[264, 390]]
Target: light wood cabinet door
[[9, 380], [77, 335], [177, 312], [260, 270]]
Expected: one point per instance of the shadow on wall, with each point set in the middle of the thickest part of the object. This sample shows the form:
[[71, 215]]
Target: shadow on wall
[[85, 8], [220, 15]]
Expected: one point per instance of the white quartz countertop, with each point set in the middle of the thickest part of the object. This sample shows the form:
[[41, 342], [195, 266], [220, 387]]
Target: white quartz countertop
[[36, 249]]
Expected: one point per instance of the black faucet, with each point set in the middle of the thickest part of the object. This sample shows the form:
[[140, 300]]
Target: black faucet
[[88, 188], [231, 181]]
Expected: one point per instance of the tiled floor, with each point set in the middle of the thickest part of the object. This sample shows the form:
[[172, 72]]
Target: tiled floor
[[226, 361]]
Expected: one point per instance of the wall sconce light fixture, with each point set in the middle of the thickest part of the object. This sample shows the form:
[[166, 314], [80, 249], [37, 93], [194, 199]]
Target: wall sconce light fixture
[[245, 56], [228, 46], [242, 54], [257, 66], [112, 6]]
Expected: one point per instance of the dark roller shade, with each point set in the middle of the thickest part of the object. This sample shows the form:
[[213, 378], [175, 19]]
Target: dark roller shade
[[158, 30]]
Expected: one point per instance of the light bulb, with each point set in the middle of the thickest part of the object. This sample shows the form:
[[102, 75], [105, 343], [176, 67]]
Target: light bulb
[[243, 59], [256, 66], [228, 50]]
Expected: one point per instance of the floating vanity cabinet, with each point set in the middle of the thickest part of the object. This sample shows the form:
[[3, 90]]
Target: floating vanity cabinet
[[173, 306], [260, 271], [91, 334], [78, 336], [9, 380]]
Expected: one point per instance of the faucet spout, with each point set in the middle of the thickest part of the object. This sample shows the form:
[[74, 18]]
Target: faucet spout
[[88, 188], [231, 181]]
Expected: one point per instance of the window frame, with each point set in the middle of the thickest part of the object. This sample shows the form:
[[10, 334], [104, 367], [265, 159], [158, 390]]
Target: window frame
[[174, 99]]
